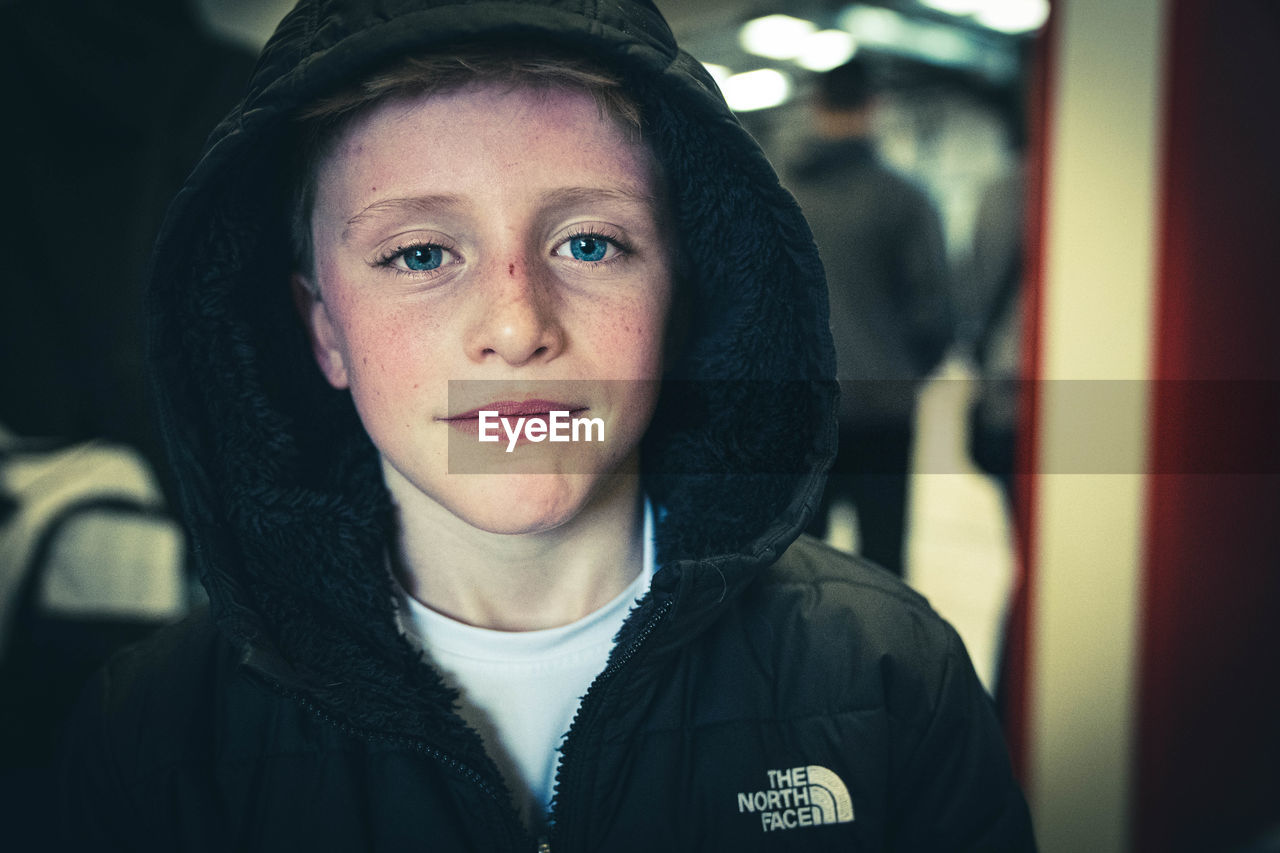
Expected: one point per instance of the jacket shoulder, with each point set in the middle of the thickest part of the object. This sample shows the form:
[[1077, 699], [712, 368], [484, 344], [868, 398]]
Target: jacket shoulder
[[839, 591], [153, 702], [152, 718], [838, 639], [811, 560], [172, 673], [845, 637]]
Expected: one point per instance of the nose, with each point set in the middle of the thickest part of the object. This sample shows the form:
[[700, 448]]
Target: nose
[[518, 318]]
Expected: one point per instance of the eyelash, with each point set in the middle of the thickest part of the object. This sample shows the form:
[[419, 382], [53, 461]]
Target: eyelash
[[388, 259], [604, 233]]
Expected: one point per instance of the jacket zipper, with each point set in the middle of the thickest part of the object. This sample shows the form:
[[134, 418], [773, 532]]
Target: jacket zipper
[[564, 792], [518, 836]]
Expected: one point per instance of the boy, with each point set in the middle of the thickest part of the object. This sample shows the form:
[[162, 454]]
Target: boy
[[513, 218]]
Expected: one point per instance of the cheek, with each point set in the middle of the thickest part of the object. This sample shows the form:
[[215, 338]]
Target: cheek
[[391, 357], [627, 348], [629, 338]]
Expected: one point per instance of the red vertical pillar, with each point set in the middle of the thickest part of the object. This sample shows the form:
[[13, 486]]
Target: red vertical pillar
[[1014, 668]]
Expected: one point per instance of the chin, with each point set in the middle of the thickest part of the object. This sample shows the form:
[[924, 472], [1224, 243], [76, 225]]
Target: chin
[[517, 503], [510, 502]]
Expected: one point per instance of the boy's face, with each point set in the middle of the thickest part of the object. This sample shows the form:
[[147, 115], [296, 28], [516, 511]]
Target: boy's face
[[506, 235]]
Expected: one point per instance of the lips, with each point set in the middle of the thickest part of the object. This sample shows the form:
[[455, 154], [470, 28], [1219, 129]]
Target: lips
[[508, 410], [517, 409]]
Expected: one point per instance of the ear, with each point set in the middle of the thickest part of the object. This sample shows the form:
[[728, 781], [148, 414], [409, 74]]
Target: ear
[[320, 331]]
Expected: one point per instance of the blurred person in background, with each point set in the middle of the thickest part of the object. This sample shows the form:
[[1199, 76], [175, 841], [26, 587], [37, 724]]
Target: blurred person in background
[[881, 242], [991, 296]]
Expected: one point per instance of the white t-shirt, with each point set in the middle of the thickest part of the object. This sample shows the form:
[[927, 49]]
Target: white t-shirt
[[521, 689]]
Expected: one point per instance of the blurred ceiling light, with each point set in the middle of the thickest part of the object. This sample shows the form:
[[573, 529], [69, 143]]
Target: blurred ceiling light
[[775, 36], [945, 45], [825, 50], [756, 90], [1013, 16], [954, 7], [719, 73], [873, 25], [935, 42]]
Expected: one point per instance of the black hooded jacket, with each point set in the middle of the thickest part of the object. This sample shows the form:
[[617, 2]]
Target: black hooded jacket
[[766, 694]]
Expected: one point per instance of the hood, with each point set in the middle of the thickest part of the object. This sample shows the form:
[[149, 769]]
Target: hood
[[279, 484]]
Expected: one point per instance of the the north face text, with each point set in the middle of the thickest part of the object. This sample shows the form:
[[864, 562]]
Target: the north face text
[[799, 796]]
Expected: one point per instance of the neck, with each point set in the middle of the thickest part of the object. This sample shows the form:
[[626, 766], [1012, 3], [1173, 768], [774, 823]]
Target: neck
[[526, 581]]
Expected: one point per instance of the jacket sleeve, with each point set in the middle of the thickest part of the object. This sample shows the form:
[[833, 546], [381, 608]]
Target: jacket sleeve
[[958, 792]]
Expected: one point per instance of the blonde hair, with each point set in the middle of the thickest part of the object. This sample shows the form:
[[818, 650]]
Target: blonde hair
[[322, 122]]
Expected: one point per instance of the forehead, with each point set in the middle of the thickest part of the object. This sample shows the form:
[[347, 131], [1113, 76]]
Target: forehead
[[484, 137]]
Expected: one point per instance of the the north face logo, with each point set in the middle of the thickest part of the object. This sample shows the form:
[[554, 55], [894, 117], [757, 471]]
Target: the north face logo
[[799, 796]]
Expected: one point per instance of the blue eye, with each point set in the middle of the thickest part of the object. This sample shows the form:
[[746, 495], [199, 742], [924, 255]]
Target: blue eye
[[423, 258], [588, 247], [417, 258], [591, 247]]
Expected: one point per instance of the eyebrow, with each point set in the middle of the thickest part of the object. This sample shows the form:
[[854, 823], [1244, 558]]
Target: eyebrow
[[414, 204], [572, 196], [556, 199]]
